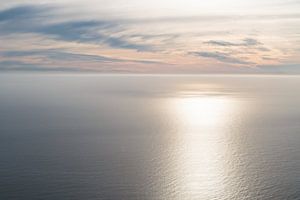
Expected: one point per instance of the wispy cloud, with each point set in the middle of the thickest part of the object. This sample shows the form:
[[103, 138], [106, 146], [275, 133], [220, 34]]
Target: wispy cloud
[[33, 19], [14, 65], [59, 60], [24, 12], [57, 55], [222, 57], [245, 43]]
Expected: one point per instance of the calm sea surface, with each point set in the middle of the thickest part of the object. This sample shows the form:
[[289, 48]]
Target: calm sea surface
[[125, 137]]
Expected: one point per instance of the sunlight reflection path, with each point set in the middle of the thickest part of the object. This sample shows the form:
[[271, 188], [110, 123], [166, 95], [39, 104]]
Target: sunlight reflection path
[[203, 122]]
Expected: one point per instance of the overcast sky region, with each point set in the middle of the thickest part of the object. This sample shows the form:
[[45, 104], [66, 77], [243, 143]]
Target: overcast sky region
[[157, 36]]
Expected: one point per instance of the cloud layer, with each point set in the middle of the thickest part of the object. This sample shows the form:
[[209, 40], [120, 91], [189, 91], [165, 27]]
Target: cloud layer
[[60, 37]]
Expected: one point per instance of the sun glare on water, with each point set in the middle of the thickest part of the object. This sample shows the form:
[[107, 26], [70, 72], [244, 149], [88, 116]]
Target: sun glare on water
[[199, 112], [203, 124]]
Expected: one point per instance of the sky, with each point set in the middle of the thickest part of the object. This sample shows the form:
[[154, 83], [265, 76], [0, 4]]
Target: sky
[[157, 36]]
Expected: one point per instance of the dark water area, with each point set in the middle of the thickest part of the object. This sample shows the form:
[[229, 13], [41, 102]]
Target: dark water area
[[149, 137]]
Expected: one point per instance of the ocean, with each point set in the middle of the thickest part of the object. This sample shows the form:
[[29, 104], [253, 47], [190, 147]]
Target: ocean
[[149, 137]]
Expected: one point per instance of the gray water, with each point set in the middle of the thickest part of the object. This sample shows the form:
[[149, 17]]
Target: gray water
[[146, 137]]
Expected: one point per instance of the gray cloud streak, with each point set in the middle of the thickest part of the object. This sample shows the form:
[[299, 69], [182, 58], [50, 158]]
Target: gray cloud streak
[[222, 57], [245, 43], [60, 55], [23, 66]]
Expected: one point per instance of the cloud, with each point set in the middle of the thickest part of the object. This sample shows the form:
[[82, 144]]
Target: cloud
[[221, 43], [222, 57], [23, 66], [37, 20], [64, 35], [81, 31], [60, 55], [245, 43], [251, 42], [264, 49], [21, 13]]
